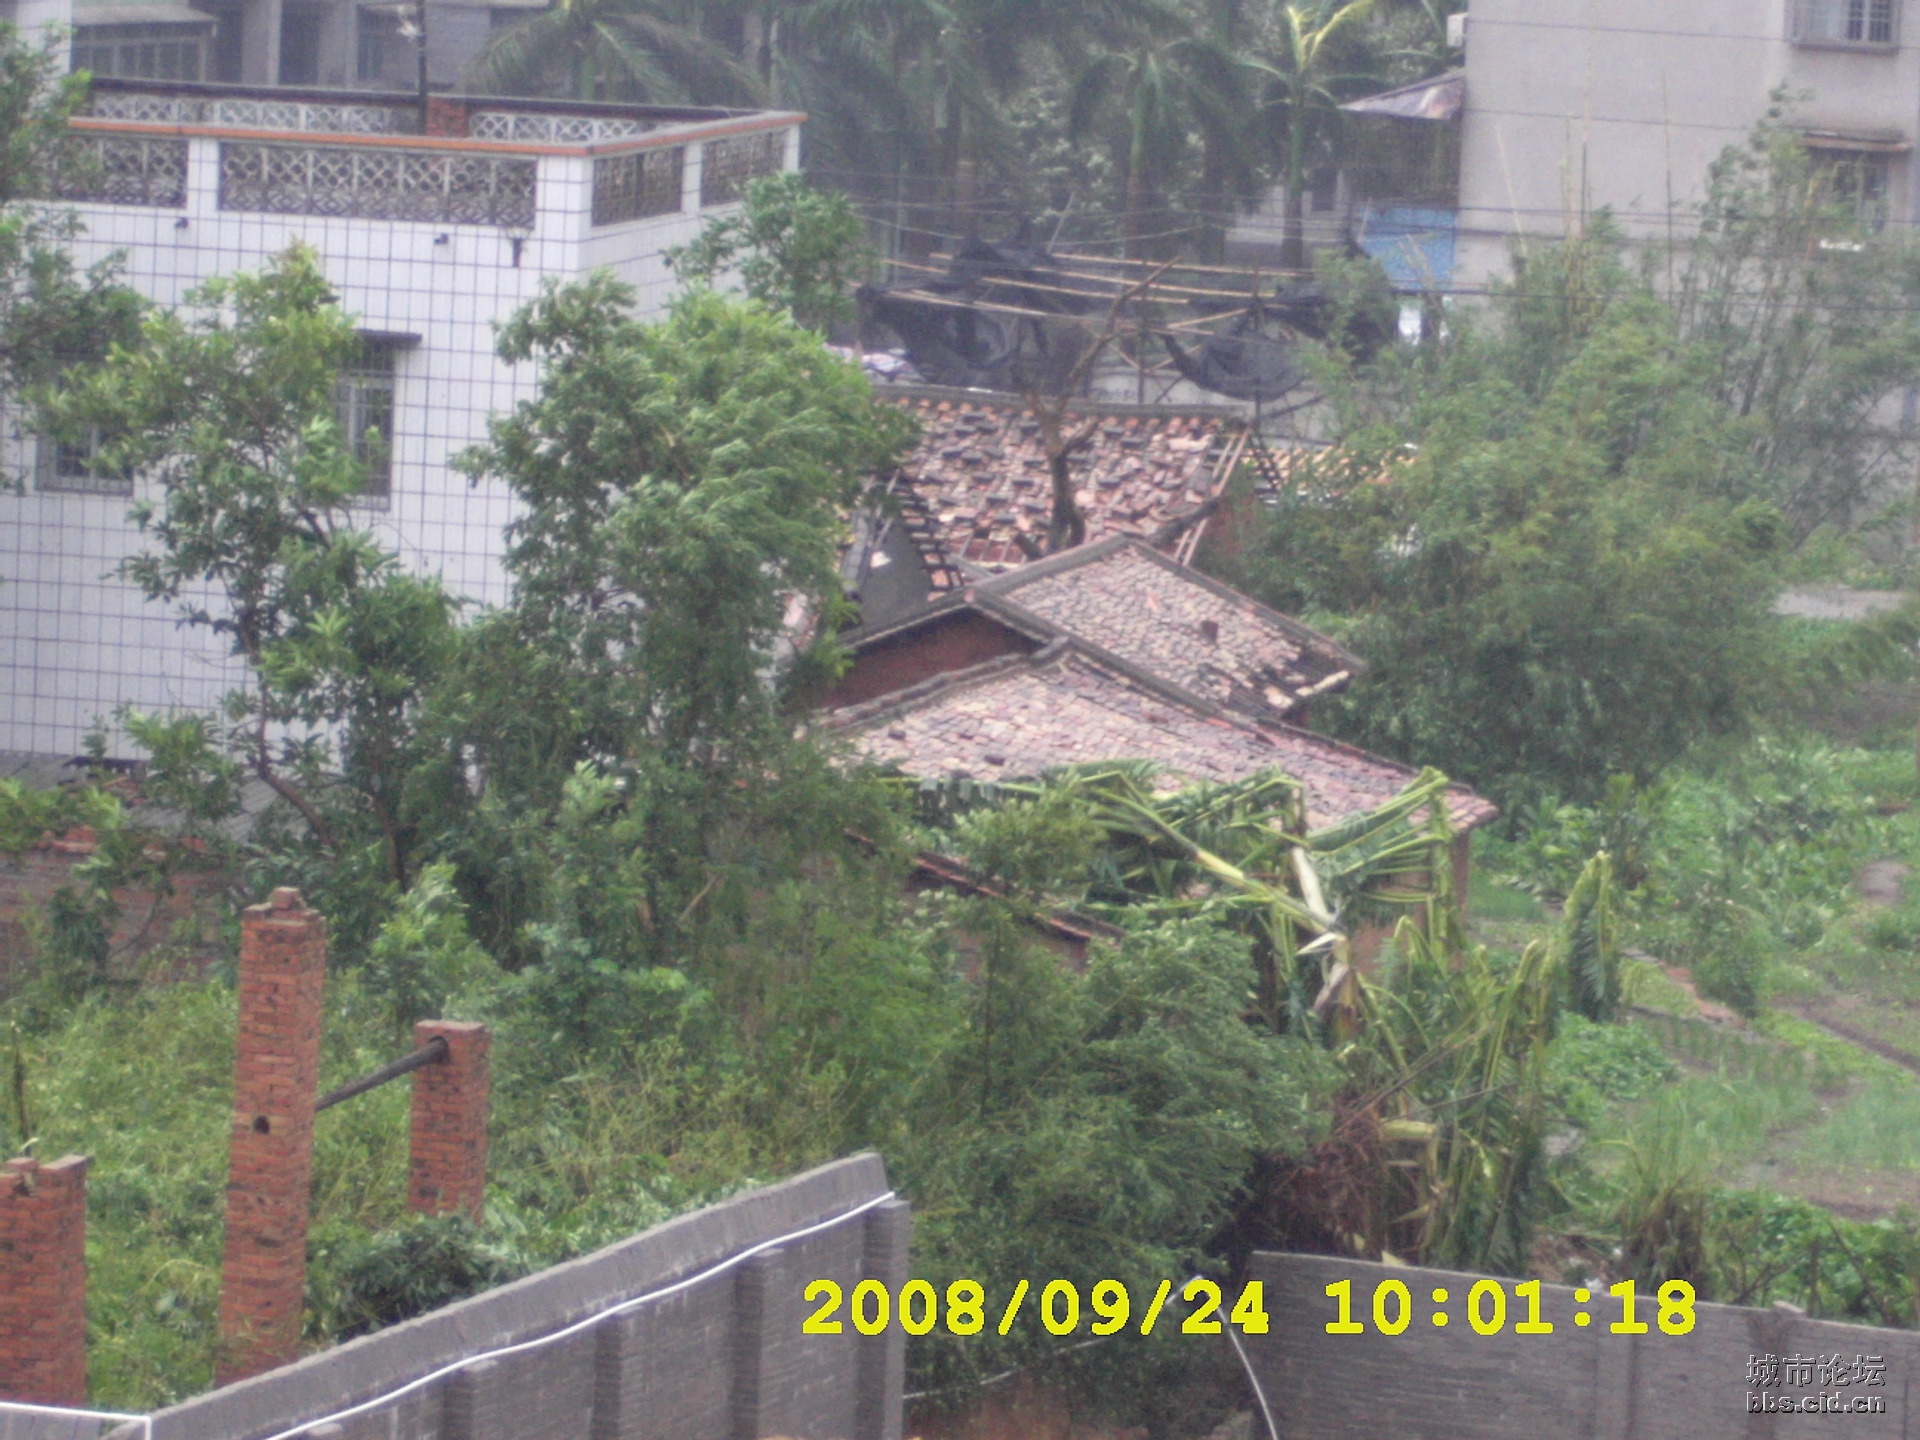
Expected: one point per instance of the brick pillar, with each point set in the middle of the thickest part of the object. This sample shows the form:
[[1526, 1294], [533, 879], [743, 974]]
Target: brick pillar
[[446, 117], [447, 1167], [276, 1073], [43, 1281]]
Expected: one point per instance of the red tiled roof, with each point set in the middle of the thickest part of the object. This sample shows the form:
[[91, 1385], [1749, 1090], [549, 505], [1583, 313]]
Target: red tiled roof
[[1164, 617], [1179, 625], [1068, 705], [980, 471]]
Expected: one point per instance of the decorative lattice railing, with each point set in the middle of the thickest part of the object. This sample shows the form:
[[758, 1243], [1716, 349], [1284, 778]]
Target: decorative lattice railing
[[377, 184], [238, 113], [737, 159]]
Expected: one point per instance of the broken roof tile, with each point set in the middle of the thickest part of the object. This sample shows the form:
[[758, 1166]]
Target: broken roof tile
[[1064, 706], [1138, 472]]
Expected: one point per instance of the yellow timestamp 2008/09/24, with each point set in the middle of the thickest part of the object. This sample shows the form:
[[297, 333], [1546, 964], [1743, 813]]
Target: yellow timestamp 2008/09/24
[[1486, 1308], [872, 1307]]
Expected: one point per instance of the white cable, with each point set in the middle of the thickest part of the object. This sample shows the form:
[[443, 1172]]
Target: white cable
[[574, 1329], [1254, 1380], [20, 1407]]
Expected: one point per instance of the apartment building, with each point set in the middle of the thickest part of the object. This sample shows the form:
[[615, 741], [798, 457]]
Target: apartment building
[[429, 238], [1571, 105], [365, 44]]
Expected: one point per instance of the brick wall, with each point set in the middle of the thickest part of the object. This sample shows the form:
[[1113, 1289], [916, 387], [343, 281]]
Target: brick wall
[[447, 1161], [958, 642], [147, 917], [283, 962], [43, 1281]]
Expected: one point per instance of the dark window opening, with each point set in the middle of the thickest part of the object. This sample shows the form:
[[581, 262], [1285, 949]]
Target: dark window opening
[[363, 403], [73, 464], [1857, 181], [300, 45]]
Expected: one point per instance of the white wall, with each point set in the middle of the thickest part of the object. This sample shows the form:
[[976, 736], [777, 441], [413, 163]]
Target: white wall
[[75, 643], [1576, 104]]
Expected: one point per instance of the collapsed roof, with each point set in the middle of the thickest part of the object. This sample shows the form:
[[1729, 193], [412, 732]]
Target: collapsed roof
[[980, 473], [1073, 703], [1151, 611]]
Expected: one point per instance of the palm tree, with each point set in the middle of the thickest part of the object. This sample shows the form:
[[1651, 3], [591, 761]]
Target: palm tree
[[1303, 95], [940, 71], [1167, 94], [645, 50]]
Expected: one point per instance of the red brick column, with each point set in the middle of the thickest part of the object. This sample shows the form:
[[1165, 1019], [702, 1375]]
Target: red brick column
[[447, 1167], [276, 1073], [43, 1281], [446, 117]]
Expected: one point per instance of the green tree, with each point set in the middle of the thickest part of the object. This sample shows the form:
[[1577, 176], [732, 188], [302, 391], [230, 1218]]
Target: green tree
[[1813, 315], [1545, 533], [648, 50], [1302, 47], [54, 315], [1153, 101], [683, 485], [229, 405], [797, 248]]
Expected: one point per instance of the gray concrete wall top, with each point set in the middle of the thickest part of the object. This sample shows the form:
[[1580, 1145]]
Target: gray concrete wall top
[[538, 1305]]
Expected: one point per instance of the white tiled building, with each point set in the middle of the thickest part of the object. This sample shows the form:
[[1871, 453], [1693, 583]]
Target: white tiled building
[[1571, 106], [430, 239]]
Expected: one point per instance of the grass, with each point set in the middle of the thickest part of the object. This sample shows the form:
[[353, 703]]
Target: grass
[[1877, 1129], [144, 1085]]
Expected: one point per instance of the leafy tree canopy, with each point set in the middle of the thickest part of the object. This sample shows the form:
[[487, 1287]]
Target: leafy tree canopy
[[1546, 538]]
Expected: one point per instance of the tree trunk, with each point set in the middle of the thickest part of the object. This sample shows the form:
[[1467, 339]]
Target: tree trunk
[[966, 178], [1293, 235]]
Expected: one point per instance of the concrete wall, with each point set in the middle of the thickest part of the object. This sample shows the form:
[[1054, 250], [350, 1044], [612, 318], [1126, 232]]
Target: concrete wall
[[724, 1359], [1573, 105], [1579, 1383]]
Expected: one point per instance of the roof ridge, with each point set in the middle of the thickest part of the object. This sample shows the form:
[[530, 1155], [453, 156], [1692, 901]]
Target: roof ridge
[[1003, 400]]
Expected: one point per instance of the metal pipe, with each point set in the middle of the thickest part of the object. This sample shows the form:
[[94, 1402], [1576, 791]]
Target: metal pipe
[[434, 1052]]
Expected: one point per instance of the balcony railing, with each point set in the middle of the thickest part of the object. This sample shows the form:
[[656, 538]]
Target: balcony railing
[[734, 160], [637, 185], [241, 113], [537, 129], [123, 170], [377, 184]]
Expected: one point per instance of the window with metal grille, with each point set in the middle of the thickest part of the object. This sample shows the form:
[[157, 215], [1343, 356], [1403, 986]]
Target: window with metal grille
[[729, 164], [1857, 181], [632, 187], [143, 52], [123, 170], [1865, 23], [363, 402], [73, 464]]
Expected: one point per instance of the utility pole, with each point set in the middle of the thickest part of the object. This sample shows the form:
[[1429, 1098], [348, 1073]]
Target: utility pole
[[420, 42]]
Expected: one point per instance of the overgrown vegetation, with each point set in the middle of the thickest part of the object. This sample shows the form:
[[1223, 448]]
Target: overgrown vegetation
[[588, 816]]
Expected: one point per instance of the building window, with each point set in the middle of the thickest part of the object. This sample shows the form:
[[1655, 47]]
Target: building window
[[1866, 23], [379, 39], [1856, 181], [731, 163], [141, 52], [634, 186], [363, 402], [73, 466]]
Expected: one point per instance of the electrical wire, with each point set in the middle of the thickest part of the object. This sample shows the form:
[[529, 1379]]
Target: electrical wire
[[537, 1343], [21, 1407]]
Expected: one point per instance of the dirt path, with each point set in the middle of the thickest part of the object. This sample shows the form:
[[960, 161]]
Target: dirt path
[[1836, 602]]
